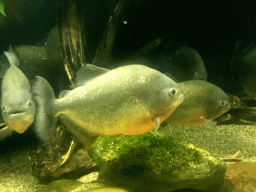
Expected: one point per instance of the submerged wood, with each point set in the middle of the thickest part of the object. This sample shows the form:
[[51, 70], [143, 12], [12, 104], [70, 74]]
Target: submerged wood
[[72, 36], [81, 26], [106, 52]]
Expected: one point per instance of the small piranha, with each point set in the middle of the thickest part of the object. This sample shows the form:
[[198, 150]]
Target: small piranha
[[203, 101], [18, 107], [184, 64], [129, 100], [244, 67], [34, 60]]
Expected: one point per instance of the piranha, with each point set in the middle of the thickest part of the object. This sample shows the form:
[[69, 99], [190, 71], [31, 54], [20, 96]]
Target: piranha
[[202, 101], [129, 100], [18, 106], [34, 60], [184, 64], [244, 70]]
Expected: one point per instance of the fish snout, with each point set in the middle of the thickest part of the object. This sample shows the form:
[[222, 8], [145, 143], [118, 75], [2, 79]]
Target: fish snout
[[19, 108], [222, 107]]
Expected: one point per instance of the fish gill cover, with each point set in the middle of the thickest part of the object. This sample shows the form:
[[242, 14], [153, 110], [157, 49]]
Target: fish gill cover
[[2, 7]]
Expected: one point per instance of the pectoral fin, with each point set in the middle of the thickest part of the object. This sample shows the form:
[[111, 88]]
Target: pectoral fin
[[157, 120], [5, 133]]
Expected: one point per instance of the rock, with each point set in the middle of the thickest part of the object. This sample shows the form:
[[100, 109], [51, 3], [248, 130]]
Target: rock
[[102, 189], [64, 185], [89, 178], [162, 163], [241, 177]]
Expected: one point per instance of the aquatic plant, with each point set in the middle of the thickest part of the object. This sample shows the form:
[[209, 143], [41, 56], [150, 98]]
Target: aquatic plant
[[2, 7]]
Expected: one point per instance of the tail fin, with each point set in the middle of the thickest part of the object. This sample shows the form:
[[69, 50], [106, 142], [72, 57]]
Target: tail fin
[[45, 120]]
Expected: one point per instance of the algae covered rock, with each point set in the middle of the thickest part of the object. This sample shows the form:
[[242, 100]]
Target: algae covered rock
[[68, 185], [162, 163]]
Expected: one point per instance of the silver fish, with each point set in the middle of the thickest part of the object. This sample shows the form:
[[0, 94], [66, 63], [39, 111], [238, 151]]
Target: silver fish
[[129, 100], [18, 107]]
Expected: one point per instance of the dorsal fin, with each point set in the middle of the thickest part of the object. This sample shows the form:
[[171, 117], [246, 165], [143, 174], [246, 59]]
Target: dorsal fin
[[88, 72], [172, 77], [63, 93], [12, 57]]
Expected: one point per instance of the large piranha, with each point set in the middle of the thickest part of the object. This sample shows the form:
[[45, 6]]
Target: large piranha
[[129, 100]]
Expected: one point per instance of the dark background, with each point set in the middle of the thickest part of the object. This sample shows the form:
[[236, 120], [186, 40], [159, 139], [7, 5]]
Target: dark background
[[212, 28]]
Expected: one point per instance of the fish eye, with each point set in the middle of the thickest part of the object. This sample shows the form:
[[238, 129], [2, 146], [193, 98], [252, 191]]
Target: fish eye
[[3, 108], [223, 103], [172, 91], [29, 104]]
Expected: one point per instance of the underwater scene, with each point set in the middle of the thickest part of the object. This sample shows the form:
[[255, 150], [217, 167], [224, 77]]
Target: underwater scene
[[127, 96]]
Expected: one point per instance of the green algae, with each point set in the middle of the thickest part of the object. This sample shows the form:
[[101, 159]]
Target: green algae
[[162, 156], [2, 7]]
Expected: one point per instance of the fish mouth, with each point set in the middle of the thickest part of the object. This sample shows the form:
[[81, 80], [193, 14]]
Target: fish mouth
[[228, 107], [216, 115], [19, 122], [16, 113]]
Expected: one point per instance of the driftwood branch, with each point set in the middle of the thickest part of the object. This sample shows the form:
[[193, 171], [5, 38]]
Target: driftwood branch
[[71, 35]]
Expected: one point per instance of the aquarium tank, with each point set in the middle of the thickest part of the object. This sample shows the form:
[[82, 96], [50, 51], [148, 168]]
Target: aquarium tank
[[127, 96]]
